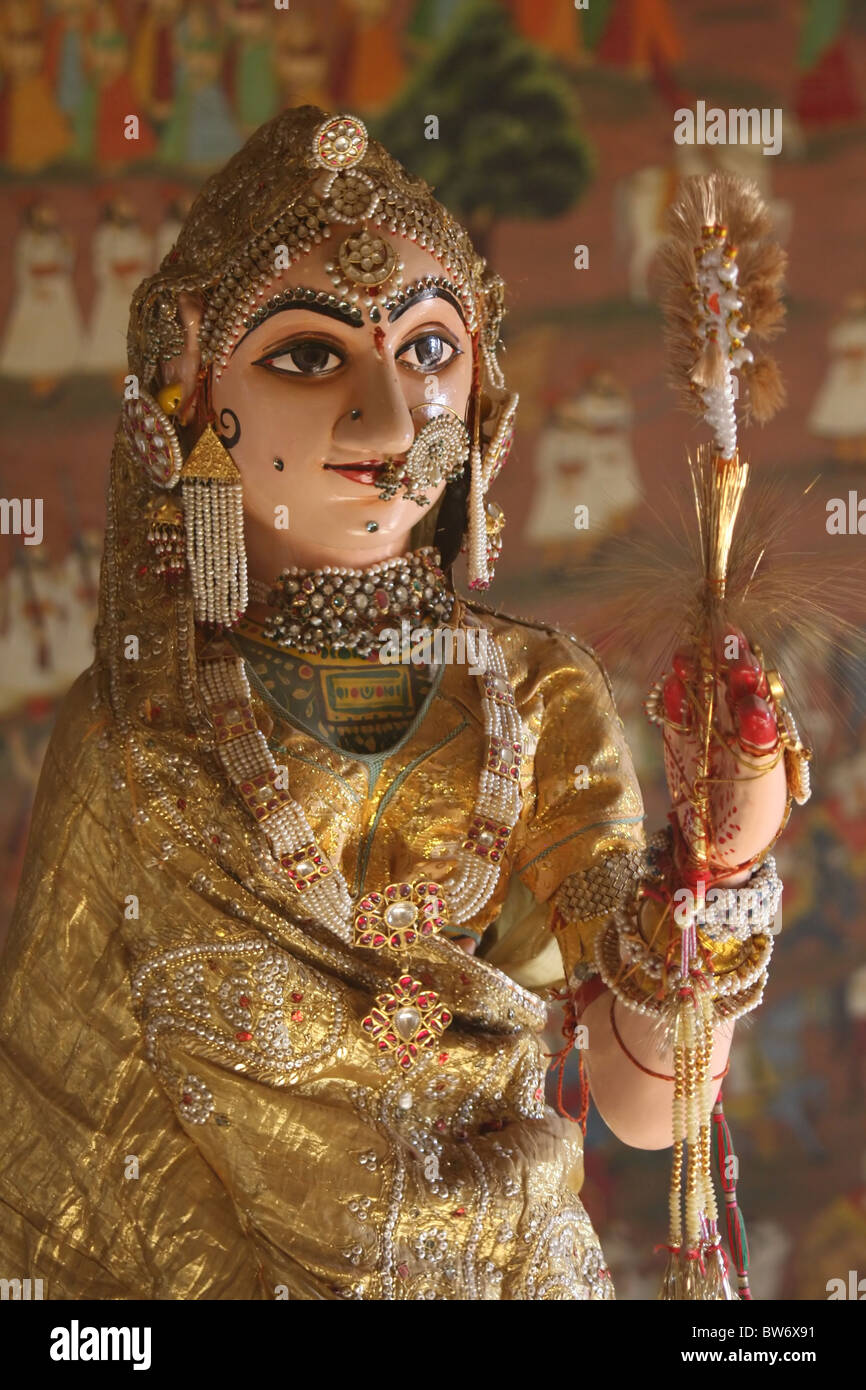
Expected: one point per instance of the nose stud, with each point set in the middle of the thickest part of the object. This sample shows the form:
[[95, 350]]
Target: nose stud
[[372, 525], [355, 414], [279, 465]]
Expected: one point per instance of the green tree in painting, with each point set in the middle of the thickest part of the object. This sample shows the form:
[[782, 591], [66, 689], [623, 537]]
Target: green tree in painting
[[509, 139]]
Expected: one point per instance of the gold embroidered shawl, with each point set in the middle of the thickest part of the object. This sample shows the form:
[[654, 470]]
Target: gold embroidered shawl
[[190, 1106]]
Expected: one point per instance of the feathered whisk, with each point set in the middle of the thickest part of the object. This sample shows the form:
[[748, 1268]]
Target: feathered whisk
[[721, 276], [720, 281]]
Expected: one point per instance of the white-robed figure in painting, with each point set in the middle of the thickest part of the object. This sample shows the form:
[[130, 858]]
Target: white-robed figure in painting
[[122, 253], [587, 481], [48, 610], [42, 339], [839, 412]]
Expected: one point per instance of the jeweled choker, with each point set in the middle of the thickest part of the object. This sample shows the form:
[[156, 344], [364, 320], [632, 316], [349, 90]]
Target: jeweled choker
[[339, 607]]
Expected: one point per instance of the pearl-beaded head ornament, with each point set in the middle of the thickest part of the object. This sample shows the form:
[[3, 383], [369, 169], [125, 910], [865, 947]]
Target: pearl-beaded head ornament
[[301, 179]]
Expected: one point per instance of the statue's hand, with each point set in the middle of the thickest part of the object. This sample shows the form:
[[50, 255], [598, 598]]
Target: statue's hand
[[466, 943], [746, 790]]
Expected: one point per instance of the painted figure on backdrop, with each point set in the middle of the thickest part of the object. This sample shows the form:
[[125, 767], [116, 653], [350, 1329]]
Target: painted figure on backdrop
[[587, 483], [369, 65], [642, 199], [333, 835], [65, 52], [201, 130], [121, 253], [32, 617], [37, 133], [41, 342], [838, 414], [105, 135], [301, 63], [549, 24], [250, 72], [154, 59], [641, 36]]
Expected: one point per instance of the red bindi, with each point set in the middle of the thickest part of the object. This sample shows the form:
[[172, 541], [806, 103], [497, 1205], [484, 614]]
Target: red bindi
[[379, 339]]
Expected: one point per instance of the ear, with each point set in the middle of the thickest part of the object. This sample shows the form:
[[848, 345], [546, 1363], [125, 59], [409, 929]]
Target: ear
[[186, 366]]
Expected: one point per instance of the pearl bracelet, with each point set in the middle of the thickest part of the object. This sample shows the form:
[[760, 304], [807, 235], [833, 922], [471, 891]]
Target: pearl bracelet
[[737, 913]]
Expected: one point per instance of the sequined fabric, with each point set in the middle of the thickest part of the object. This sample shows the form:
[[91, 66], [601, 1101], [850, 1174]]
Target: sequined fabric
[[191, 1108]]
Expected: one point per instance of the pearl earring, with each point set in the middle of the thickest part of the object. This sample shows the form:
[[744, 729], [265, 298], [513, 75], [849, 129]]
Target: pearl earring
[[214, 511]]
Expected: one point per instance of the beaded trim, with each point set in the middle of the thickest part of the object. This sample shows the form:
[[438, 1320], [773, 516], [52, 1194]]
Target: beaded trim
[[426, 282], [620, 950], [600, 889], [740, 912], [322, 891], [250, 767], [299, 294], [352, 195]]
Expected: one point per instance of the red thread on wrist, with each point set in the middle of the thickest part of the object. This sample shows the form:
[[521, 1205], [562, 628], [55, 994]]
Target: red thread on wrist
[[659, 1075]]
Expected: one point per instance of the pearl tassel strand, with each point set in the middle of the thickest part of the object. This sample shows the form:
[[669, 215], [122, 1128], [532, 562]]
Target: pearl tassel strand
[[215, 550], [696, 1267], [483, 470], [479, 573], [214, 516]]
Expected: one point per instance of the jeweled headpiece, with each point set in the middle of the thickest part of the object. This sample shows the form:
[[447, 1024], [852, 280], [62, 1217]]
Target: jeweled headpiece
[[299, 180], [303, 178]]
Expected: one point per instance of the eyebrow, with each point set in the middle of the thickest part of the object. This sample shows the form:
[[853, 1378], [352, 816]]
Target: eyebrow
[[412, 296], [314, 301]]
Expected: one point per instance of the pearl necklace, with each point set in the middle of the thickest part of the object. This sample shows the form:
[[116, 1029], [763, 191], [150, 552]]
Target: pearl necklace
[[322, 893], [340, 607]]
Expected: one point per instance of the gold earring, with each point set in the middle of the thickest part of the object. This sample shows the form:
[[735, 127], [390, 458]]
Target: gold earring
[[152, 439], [213, 503]]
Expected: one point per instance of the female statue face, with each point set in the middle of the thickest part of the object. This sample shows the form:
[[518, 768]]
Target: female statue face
[[291, 392]]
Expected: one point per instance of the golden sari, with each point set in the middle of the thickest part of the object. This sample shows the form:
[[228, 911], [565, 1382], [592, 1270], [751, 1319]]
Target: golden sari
[[192, 1108]]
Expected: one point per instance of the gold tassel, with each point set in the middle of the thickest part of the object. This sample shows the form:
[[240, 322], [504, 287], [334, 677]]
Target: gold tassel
[[213, 503], [165, 536]]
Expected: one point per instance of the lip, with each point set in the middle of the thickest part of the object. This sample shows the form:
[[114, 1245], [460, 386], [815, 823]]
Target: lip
[[366, 473]]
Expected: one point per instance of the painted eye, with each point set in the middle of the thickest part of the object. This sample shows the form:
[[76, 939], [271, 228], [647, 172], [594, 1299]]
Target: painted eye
[[428, 353], [304, 359]]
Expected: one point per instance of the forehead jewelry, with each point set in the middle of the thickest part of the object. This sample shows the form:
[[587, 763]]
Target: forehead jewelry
[[366, 269], [367, 266]]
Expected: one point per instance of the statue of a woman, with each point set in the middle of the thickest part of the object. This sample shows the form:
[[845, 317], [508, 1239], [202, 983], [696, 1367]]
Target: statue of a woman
[[315, 836]]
